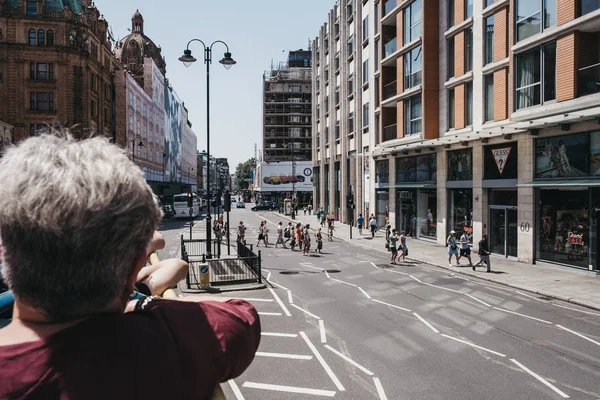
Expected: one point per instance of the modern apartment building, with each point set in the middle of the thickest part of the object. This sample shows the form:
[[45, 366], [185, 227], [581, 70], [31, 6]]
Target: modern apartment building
[[287, 123], [344, 90]]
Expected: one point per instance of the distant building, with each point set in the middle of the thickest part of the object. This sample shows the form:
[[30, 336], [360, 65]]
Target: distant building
[[287, 118], [6, 136]]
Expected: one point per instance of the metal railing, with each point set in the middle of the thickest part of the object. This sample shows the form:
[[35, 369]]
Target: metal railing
[[389, 48], [390, 132], [390, 90], [197, 247]]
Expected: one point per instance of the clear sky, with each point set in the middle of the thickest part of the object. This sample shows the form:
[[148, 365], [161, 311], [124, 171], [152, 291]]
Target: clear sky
[[256, 32]]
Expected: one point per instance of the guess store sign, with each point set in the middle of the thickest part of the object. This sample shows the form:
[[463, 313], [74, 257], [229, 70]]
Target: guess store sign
[[500, 161]]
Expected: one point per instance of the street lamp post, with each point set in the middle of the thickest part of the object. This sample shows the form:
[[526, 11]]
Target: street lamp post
[[138, 141], [187, 59]]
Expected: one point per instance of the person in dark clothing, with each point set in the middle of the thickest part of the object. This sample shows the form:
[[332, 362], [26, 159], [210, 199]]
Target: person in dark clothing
[[484, 254]]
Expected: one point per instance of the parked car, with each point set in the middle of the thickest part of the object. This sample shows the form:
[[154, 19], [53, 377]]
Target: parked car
[[264, 206], [240, 204]]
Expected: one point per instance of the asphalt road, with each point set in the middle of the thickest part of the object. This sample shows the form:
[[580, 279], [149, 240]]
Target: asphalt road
[[348, 325]]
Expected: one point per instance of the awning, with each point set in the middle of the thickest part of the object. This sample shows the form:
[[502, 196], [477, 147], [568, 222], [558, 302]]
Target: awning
[[562, 183], [414, 185]]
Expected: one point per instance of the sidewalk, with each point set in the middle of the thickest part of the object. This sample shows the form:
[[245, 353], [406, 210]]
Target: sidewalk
[[563, 283]]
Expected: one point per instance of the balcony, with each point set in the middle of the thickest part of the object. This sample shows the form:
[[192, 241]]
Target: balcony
[[589, 80], [390, 90], [390, 132], [389, 48]]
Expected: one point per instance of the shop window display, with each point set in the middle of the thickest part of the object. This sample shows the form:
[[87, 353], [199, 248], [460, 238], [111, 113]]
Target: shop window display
[[460, 165], [382, 171], [460, 206], [563, 156]]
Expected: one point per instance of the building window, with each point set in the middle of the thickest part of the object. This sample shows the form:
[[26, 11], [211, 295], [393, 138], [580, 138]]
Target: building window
[[41, 37], [450, 108], [489, 3], [376, 18], [41, 101], [489, 40], [92, 80], [450, 14], [587, 6], [468, 9], [488, 98], [412, 115], [468, 49], [412, 21], [376, 54], [92, 108], [131, 122], [412, 68], [450, 58], [41, 71], [32, 37], [533, 16], [365, 71], [49, 38], [365, 27], [535, 76], [31, 8], [106, 114], [139, 129], [469, 103], [139, 105], [145, 111], [365, 115]]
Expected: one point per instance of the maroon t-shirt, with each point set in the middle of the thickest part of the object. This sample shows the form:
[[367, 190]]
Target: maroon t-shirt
[[172, 350]]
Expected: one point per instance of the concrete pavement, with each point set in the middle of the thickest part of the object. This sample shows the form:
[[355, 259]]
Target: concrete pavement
[[563, 283]]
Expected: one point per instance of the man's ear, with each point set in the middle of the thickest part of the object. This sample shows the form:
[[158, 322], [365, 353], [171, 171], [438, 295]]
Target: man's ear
[[140, 261]]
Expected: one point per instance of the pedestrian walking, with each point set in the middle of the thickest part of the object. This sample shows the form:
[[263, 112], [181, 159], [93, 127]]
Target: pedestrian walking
[[373, 225], [323, 218], [393, 245], [241, 233], [310, 209], [265, 235], [452, 248], [330, 229], [299, 236], [388, 232], [261, 234], [403, 248], [305, 209], [465, 249], [413, 226], [306, 239], [319, 237], [360, 221], [484, 254], [279, 234], [287, 234]]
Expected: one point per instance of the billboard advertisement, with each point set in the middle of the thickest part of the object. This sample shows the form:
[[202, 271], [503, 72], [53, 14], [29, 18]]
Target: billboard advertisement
[[283, 177], [173, 127]]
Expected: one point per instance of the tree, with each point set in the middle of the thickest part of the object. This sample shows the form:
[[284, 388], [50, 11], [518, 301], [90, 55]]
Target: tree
[[243, 173]]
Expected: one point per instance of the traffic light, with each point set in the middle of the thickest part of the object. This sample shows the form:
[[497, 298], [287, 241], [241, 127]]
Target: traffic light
[[190, 200], [226, 201], [350, 200]]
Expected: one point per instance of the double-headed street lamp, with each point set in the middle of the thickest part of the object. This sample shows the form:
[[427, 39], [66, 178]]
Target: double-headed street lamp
[[138, 141], [187, 59]]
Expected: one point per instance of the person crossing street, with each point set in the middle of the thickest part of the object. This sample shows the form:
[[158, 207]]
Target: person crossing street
[[484, 254]]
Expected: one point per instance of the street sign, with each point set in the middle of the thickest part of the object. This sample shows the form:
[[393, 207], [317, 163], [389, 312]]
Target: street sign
[[204, 277]]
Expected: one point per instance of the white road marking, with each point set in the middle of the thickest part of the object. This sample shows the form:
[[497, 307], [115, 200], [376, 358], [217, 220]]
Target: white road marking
[[289, 389], [539, 378], [426, 323], [417, 279], [575, 309], [269, 276], [249, 299], [327, 274], [277, 334], [276, 314], [278, 285], [278, 300], [290, 298], [326, 367], [375, 265], [578, 334], [322, 330], [365, 293], [476, 299], [474, 345], [531, 297], [357, 365], [306, 312], [440, 287], [235, 389], [379, 387], [522, 315], [391, 305], [345, 283], [283, 355]]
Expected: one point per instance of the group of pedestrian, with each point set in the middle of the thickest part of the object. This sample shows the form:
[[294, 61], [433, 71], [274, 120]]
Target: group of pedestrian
[[465, 250], [396, 244]]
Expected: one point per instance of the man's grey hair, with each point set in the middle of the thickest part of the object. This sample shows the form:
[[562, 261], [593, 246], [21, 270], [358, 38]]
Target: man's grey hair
[[74, 218]]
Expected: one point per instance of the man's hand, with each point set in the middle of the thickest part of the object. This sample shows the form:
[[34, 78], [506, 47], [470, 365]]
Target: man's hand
[[156, 243]]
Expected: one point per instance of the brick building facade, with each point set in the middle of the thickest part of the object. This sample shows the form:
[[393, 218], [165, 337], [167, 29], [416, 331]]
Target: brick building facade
[[56, 68]]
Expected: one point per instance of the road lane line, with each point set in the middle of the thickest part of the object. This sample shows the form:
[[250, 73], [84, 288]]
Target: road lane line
[[305, 311], [575, 309], [578, 334], [326, 367], [474, 345], [440, 287], [327, 274], [278, 285], [481, 301], [345, 283], [235, 389], [249, 299], [365, 293], [391, 305], [522, 315], [277, 334], [283, 355], [531, 297], [357, 365], [268, 276], [322, 330], [278, 300], [290, 298], [426, 323], [275, 314], [289, 389], [539, 378], [380, 390], [416, 279]]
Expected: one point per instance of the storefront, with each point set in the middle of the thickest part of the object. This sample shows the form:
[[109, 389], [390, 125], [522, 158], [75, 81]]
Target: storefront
[[460, 192], [416, 195], [567, 181], [382, 193], [500, 175]]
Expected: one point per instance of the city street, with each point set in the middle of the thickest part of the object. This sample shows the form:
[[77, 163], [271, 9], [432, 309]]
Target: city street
[[346, 324]]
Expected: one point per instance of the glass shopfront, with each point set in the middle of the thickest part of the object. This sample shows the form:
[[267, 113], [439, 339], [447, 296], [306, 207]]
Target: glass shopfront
[[382, 197], [460, 210]]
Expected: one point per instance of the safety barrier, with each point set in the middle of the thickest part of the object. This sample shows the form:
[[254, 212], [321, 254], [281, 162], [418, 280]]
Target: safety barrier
[[197, 247]]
